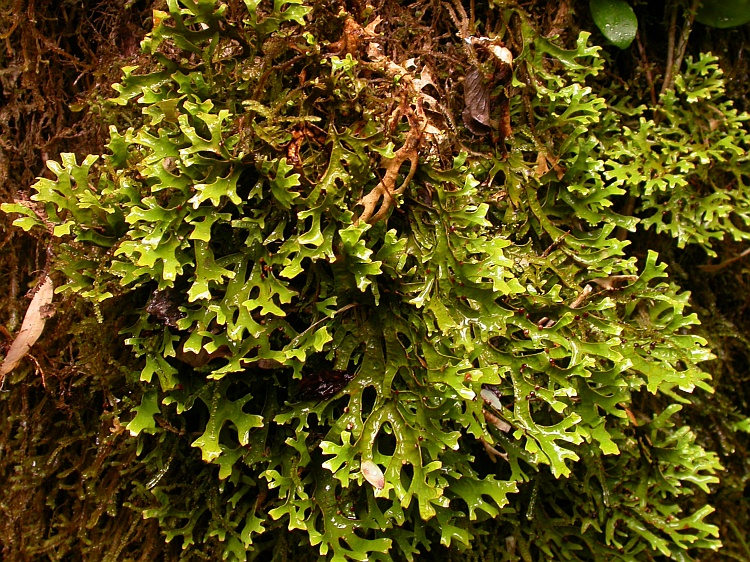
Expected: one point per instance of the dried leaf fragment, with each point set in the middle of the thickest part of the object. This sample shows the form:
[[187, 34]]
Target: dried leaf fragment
[[33, 324], [500, 424], [541, 165], [542, 168], [614, 282]]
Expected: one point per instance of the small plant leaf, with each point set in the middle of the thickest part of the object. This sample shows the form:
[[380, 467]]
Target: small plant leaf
[[730, 13], [616, 20]]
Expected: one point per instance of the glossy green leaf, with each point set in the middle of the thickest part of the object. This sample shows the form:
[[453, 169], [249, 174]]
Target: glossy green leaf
[[616, 20]]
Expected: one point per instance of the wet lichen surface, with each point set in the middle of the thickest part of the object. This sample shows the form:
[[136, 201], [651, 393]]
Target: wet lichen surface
[[366, 282]]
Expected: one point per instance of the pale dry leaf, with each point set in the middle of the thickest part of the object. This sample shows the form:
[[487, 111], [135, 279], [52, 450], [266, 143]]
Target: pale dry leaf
[[374, 51], [33, 324], [491, 398], [502, 54], [373, 474], [432, 130]]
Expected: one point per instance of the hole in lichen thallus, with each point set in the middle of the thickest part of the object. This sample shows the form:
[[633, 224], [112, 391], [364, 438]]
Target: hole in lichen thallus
[[386, 441], [228, 436], [369, 398], [196, 417], [249, 178]]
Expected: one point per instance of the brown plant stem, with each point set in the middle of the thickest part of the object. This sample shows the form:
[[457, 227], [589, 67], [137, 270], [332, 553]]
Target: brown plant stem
[[675, 62]]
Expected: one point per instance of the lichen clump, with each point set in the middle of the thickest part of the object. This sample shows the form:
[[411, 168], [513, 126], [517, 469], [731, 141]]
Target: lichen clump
[[388, 314]]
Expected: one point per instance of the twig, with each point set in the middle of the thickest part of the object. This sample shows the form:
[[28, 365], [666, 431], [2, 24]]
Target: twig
[[580, 299], [38, 367], [555, 244], [686, 29], [675, 62], [670, 52], [719, 266], [647, 68], [492, 452], [740, 538]]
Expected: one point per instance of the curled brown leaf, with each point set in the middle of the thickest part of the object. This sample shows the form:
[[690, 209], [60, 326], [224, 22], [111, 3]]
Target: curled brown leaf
[[477, 99]]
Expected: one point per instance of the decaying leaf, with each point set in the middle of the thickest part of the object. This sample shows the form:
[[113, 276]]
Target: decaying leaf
[[33, 324], [165, 306], [323, 384], [478, 87]]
